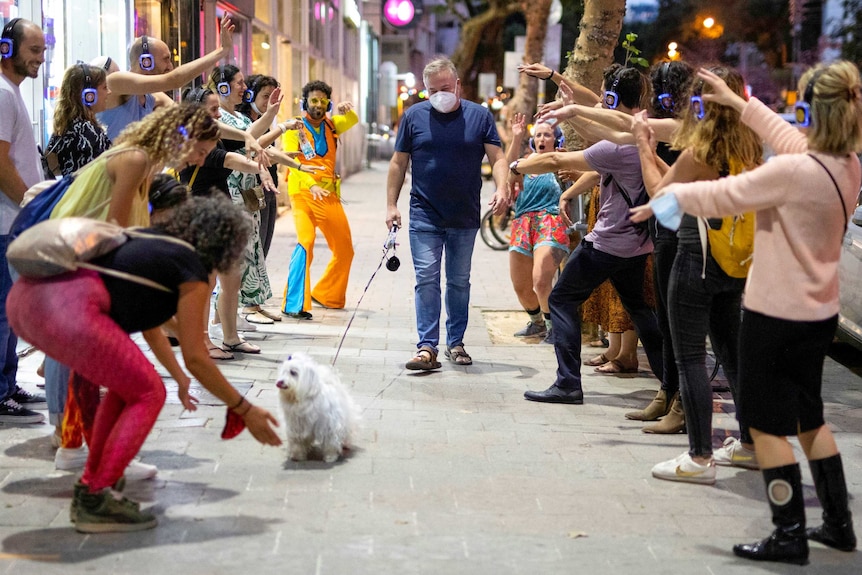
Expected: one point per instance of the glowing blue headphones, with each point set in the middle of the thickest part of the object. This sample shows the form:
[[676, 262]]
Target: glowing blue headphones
[[802, 109], [665, 99], [8, 45], [89, 95], [223, 87], [146, 60], [612, 98]]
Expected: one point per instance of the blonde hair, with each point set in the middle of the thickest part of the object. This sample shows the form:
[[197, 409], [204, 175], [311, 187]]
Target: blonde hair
[[719, 140], [836, 107], [168, 133]]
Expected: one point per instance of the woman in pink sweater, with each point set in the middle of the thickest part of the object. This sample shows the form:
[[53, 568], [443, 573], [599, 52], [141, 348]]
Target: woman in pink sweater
[[803, 198]]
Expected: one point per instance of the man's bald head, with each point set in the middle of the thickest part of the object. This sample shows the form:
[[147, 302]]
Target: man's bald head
[[161, 56]]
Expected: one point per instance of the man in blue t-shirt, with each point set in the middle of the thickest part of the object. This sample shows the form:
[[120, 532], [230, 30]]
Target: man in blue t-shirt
[[446, 139], [616, 249]]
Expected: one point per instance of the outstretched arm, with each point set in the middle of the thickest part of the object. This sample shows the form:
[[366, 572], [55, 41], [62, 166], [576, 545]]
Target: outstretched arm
[[582, 94], [138, 84]]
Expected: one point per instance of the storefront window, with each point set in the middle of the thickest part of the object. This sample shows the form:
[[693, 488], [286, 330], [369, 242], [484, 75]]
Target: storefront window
[[261, 10], [261, 51], [240, 34]]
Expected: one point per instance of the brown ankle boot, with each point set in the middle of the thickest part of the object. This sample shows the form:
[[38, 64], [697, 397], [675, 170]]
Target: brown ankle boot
[[657, 408], [673, 422]]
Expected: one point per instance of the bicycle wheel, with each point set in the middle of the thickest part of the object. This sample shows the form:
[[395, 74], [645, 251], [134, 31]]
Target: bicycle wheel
[[488, 236], [501, 226]]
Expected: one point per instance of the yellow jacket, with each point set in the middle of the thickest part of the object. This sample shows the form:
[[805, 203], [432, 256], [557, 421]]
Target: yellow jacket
[[326, 178]]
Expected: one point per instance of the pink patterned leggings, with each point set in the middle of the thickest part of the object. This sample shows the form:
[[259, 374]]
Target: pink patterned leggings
[[67, 318]]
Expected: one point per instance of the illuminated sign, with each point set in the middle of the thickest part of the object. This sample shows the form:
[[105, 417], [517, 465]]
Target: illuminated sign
[[402, 13]]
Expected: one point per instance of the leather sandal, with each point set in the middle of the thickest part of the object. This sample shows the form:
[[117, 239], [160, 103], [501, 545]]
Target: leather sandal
[[273, 316], [258, 317], [597, 361], [218, 353], [458, 356], [424, 360], [616, 366]]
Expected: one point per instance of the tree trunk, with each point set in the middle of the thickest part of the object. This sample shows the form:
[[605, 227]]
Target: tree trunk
[[536, 13], [594, 49], [473, 33]]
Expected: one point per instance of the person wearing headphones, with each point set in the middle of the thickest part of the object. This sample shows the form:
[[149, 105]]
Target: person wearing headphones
[[615, 249], [138, 91], [539, 241], [23, 51], [316, 202]]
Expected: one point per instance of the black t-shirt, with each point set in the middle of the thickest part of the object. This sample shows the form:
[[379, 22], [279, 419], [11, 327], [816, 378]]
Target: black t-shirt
[[211, 174], [136, 307]]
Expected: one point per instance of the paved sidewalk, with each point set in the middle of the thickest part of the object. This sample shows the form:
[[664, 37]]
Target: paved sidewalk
[[453, 473]]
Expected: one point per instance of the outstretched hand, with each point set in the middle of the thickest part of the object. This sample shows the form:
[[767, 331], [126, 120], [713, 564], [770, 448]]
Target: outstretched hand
[[535, 70], [227, 27], [640, 214], [641, 129], [518, 124], [721, 92]]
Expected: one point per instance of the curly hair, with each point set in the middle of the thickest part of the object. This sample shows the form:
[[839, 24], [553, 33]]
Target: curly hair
[[316, 86], [671, 78], [720, 140], [70, 107], [256, 83], [836, 107], [218, 229], [169, 133]]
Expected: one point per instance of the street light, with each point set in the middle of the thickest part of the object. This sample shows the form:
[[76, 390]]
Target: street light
[[672, 51]]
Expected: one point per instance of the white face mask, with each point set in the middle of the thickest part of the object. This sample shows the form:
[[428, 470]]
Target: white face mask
[[444, 102]]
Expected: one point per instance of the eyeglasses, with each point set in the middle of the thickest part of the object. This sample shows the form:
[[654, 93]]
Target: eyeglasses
[[318, 101]]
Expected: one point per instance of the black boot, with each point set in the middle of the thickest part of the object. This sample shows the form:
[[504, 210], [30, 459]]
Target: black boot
[[787, 543], [837, 528]]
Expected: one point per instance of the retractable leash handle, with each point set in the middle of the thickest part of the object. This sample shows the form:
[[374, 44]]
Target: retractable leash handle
[[392, 262]]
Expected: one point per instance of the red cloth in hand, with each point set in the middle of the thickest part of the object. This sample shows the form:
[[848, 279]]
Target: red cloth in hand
[[233, 425]]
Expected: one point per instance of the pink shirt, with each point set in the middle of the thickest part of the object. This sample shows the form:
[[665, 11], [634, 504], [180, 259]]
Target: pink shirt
[[800, 220]]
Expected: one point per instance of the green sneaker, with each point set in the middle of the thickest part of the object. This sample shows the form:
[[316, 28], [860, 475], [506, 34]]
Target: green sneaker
[[81, 488], [103, 513]]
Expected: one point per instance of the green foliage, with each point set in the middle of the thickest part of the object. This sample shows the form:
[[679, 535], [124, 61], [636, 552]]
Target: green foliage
[[632, 53]]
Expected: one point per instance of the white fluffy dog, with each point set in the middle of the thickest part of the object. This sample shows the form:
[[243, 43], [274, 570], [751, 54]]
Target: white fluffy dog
[[319, 413]]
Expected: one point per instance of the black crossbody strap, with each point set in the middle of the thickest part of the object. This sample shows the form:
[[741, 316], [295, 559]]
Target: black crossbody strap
[[837, 189]]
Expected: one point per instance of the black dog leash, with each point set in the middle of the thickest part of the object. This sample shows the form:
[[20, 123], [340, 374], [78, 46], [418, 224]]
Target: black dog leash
[[392, 264]]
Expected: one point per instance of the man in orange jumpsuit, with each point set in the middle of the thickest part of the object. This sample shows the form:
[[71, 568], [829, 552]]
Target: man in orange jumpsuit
[[316, 202]]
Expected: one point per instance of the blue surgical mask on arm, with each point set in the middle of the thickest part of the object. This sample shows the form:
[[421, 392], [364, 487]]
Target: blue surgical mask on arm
[[667, 211]]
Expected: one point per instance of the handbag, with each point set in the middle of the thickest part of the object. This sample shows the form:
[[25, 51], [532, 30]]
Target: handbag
[[63, 245], [253, 199]]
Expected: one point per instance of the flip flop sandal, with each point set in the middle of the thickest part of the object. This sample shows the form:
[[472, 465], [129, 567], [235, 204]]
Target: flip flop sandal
[[222, 354], [242, 347], [425, 360], [458, 356], [258, 317], [596, 361]]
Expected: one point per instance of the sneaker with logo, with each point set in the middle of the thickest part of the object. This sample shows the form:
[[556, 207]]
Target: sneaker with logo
[[103, 513], [533, 329], [733, 453], [684, 468], [29, 400], [13, 412]]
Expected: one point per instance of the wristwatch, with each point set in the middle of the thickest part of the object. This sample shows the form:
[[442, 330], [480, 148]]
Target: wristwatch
[[513, 167]]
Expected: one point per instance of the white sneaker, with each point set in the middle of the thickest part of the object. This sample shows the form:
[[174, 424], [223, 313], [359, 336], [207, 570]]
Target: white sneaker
[[243, 324], [68, 458], [684, 468], [215, 331], [138, 470], [733, 453]]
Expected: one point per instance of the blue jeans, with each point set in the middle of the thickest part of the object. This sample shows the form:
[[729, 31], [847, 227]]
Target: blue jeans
[[586, 269], [428, 243], [8, 340], [56, 389], [700, 306]]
